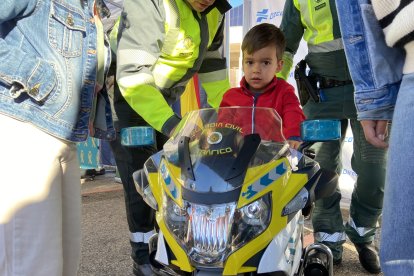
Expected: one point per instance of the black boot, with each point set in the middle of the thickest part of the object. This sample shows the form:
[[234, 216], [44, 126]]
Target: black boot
[[88, 174], [368, 257], [142, 269], [140, 256]]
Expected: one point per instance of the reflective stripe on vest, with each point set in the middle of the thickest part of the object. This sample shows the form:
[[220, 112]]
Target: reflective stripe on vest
[[317, 19], [180, 54], [181, 41], [329, 46]]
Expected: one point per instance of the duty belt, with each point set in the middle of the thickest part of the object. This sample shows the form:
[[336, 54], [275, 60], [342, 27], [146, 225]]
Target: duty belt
[[325, 83]]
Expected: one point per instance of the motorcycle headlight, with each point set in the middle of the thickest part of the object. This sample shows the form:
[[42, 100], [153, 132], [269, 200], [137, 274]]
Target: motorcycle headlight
[[255, 213], [210, 233], [251, 221], [204, 231], [175, 218]]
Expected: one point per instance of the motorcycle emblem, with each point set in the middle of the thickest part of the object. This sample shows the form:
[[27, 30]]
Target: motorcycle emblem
[[214, 138]]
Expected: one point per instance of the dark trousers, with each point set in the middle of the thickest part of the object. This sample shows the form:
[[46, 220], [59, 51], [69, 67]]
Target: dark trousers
[[140, 216], [367, 161]]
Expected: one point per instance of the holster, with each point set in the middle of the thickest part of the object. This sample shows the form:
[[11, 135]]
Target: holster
[[306, 84]]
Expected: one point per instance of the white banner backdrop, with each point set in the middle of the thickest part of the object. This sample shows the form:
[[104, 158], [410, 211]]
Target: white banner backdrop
[[261, 11], [271, 11]]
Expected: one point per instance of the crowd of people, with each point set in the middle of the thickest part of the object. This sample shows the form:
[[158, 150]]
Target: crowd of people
[[54, 62]]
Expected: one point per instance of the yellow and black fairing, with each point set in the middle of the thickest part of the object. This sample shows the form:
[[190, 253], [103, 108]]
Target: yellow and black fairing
[[268, 181]]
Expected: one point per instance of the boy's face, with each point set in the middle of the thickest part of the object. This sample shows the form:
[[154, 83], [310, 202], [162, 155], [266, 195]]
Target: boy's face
[[260, 67], [200, 5]]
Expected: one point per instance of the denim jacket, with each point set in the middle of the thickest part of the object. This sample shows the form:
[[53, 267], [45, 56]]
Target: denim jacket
[[375, 68], [48, 57]]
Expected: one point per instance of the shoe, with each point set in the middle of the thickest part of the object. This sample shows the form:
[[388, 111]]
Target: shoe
[[88, 174], [368, 257], [100, 172], [142, 270]]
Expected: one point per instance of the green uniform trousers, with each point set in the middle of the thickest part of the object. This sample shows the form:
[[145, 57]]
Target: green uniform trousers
[[367, 161]]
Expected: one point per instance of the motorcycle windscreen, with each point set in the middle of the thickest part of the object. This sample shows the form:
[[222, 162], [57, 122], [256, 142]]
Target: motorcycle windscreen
[[215, 147]]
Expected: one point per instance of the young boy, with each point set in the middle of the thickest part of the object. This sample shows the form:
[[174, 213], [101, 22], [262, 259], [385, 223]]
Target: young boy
[[263, 48]]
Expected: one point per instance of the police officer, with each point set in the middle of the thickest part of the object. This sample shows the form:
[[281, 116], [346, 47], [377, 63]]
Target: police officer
[[316, 21], [161, 45]]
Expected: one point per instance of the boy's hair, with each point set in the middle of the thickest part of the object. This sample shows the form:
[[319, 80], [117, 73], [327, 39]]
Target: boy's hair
[[263, 35]]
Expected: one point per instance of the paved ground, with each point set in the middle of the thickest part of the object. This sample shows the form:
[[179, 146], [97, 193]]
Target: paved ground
[[105, 247]]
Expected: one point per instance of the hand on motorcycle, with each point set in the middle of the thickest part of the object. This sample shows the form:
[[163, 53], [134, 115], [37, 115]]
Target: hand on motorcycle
[[294, 144], [375, 132]]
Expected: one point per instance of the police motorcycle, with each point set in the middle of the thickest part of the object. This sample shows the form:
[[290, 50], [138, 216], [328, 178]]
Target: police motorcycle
[[230, 196]]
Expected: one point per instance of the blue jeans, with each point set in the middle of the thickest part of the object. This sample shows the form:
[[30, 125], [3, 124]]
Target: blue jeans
[[397, 247], [376, 69]]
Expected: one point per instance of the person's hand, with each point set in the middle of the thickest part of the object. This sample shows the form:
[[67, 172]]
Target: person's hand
[[110, 81], [375, 132], [294, 144]]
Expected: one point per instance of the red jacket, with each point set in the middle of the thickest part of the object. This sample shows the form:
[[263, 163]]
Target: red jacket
[[279, 95]]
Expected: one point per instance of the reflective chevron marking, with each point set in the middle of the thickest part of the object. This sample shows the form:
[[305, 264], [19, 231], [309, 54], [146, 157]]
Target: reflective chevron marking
[[265, 181], [167, 179], [174, 193]]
